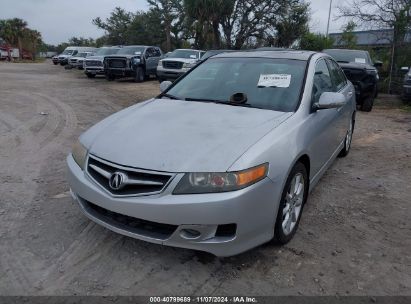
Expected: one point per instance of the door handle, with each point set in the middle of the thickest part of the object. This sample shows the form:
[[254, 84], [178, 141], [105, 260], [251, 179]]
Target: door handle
[[350, 94]]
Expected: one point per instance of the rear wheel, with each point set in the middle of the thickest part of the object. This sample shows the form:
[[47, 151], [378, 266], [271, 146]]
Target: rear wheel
[[367, 104], [291, 206], [139, 74]]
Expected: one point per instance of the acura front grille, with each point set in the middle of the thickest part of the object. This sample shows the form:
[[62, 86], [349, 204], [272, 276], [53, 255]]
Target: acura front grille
[[126, 181]]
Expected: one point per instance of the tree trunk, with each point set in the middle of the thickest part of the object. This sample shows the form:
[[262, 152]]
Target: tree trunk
[[20, 48], [216, 35], [168, 35]]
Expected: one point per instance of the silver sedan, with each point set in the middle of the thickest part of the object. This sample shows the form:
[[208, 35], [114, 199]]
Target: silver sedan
[[222, 160]]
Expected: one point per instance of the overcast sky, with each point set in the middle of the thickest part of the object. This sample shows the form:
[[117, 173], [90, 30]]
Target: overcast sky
[[58, 20]]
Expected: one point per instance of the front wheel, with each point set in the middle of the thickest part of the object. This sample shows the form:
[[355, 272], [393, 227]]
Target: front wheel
[[348, 140], [139, 74], [109, 77], [291, 206], [89, 75]]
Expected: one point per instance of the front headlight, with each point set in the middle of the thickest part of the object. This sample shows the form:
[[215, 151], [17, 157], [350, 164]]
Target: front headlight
[[79, 153], [135, 60], [196, 183], [160, 63], [188, 65]]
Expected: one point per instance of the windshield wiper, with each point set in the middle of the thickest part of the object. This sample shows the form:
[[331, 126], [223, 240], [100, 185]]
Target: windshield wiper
[[170, 96], [225, 102], [206, 100], [245, 105]]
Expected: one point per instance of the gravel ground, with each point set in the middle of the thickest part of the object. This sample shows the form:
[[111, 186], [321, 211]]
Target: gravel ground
[[354, 236]]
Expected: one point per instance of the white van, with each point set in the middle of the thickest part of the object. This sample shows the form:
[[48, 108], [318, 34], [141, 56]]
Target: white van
[[73, 51]]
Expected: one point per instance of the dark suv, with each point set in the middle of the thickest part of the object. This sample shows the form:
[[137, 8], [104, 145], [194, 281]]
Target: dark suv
[[361, 71], [135, 61]]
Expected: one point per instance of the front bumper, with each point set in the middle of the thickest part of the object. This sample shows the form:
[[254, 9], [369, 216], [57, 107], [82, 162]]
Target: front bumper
[[253, 210], [120, 72], [407, 91], [94, 70]]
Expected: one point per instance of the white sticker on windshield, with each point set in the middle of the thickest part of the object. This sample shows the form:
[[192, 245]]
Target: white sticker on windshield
[[274, 80], [360, 60]]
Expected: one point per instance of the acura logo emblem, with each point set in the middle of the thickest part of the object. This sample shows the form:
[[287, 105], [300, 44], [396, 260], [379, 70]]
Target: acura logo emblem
[[117, 180]]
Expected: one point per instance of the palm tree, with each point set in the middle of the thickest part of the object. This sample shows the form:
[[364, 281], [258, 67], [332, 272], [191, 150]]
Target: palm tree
[[17, 28]]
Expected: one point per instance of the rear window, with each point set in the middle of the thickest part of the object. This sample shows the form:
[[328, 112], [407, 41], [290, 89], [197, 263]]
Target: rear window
[[349, 56]]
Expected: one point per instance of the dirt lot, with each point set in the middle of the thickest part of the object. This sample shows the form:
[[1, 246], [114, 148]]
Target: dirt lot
[[354, 237]]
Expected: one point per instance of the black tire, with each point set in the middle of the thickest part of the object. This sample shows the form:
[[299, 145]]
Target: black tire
[[55, 63], [348, 139], [140, 75], [367, 104], [109, 77], [280, 236], [160, 80], [89, 75]]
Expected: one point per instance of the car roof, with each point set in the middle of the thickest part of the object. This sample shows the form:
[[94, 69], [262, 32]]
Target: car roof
[[343, 50], [188, 50], [296, 55]]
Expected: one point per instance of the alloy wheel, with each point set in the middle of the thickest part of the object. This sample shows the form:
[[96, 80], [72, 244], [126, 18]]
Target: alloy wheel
[[293, 203]]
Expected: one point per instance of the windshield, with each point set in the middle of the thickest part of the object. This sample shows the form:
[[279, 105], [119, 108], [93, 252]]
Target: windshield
[[188, 54], [68, 52], [130, 50], [273, 84], [345, 56], [107, 51]]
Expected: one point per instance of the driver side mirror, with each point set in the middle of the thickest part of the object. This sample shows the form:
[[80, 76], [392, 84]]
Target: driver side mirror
[[378, 64], [165, 85], [330, 100], [404, 70]]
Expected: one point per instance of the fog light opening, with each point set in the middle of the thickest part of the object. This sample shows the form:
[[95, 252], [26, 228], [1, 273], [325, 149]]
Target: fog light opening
[[190, 234]]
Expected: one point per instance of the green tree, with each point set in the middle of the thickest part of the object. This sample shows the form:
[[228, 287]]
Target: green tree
[[315, 42], [116, 26], [348, 38], [292, 23], [169, 12]]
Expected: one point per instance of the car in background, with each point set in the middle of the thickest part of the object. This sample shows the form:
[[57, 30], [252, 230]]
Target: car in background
[[55, 60], [78, 60], [406, 88], [136, 61], [361, 71], [94, 65], [224, 158], [73, 51], [178, 63]]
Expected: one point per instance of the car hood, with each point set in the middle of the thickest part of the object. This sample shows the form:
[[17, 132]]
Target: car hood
[[180, 136], [185, 60], [123, 56], [101, 58]]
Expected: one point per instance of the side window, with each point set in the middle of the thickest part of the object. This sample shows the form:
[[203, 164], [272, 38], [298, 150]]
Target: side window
[[337, 76], [322, 81], [157, 52], [149, 53]]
